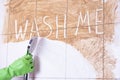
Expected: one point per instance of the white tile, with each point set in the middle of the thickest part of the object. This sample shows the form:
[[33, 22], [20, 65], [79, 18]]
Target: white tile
[[112, 56], [3, 52], [77, 65], [16, 50], [50, 59]]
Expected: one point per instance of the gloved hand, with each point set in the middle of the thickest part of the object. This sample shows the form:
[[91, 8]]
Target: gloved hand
[[19, 67]]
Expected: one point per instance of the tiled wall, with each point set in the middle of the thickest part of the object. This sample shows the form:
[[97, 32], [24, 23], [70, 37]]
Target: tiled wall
[[70, 52]]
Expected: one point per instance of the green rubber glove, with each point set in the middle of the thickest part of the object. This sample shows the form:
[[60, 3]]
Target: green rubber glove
[[19, 67]]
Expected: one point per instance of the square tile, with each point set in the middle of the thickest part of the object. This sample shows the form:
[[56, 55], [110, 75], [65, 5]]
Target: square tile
[[85, 13], [112, 49], [22, 16], [51, 18], [3, 51], [16, 48], [111, 11], [51, 54], [85, 54]]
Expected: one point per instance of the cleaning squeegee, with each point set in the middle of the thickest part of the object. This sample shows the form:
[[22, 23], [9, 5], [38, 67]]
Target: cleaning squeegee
[[30, 48]]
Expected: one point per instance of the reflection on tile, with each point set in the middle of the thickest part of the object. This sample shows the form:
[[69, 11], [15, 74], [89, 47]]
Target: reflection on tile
[[112, 49]]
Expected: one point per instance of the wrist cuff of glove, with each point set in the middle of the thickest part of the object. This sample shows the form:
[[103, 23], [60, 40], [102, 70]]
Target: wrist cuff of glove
[[5, 74]]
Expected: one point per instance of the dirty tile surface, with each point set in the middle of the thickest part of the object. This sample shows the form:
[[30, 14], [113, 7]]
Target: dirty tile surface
[[80, 39]]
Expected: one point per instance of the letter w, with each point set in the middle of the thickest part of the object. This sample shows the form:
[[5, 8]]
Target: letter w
[[20, 32]]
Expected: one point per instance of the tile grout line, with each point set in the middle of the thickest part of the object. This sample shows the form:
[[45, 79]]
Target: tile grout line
[[8, 32], [66, 40], [35, 17], [103, 40]]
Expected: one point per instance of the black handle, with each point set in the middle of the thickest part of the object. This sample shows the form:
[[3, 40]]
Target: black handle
[[26, 77]]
